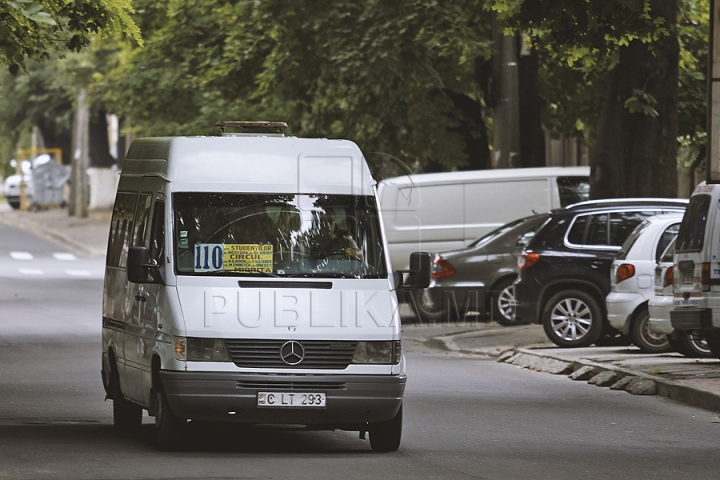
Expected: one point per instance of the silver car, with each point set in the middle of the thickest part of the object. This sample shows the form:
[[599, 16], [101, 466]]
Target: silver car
[[479, 278]]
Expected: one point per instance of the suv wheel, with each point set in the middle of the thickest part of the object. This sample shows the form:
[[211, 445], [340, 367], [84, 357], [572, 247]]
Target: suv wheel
[[572, 318]]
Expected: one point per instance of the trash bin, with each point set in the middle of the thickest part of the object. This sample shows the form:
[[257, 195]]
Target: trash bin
[[49, 179]]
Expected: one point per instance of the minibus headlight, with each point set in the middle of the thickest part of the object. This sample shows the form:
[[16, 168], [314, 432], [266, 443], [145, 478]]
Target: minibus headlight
[[206, 350], [378, 353]]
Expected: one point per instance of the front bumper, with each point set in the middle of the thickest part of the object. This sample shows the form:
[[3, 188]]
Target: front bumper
[[350, 399], [620, 305]]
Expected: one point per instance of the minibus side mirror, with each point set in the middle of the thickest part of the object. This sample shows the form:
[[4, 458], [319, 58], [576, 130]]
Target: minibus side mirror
[[420, 265], [419, 271], [139, 265]]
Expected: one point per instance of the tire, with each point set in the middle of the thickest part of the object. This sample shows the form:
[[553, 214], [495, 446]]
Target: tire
[[169, 428], [386, 436], [644, 338], [428, 312], [503, 304], [572, 319], [713, 343], [695, 345], [14, 205], [127, 417]]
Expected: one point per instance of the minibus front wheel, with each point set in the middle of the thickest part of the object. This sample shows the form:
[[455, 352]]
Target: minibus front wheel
[[169, 428], [386, 436]]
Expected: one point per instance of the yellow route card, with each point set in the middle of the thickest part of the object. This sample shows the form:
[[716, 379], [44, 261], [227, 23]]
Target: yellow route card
[[246, 257]]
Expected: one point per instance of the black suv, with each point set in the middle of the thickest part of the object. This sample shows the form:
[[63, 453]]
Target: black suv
[[565, 269]]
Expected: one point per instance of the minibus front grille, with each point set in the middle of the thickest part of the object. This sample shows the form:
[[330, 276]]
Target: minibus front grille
[[291, 385], [323, 354]]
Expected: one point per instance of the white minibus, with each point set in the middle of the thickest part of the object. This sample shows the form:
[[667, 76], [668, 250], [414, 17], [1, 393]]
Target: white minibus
[[247, 280]]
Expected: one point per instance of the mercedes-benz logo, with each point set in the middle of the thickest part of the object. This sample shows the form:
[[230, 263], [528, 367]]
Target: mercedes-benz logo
[[292, 352]]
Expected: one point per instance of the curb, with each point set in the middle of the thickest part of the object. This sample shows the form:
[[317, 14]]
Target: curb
[[669, 389], [527, 358]]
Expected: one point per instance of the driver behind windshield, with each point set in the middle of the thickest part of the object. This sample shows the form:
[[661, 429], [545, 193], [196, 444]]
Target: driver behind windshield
[[332, 242]]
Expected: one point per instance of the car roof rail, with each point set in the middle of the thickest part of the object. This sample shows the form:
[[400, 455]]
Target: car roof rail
[[628, 201]]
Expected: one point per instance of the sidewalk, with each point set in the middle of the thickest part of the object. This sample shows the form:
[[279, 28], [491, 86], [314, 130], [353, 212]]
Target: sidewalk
[[84, 236], [694, 382]]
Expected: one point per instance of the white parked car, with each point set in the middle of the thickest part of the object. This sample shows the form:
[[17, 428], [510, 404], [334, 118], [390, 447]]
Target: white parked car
[[689, 343], [11, 186], [632, 281]]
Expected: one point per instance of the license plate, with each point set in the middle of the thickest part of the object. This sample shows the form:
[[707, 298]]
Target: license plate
[[294, 399], [687, 278]]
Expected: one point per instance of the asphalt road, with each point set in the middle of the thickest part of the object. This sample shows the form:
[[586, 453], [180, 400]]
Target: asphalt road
[[465, 417]]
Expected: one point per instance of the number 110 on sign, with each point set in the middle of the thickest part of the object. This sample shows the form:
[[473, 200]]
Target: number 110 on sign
[[208, 257]]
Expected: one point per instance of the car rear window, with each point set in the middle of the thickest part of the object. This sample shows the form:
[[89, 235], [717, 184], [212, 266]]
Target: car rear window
[[692, 229], [667, 237], [667, 255], [622, 254]]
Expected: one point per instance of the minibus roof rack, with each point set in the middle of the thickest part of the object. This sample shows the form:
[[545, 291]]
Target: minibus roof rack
[[251, 128]]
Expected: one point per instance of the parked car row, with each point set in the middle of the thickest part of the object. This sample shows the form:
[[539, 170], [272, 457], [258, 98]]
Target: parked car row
[[564, 272], [586, 272]]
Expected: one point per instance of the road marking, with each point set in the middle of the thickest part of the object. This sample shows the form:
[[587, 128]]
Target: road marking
[[31, 271], [21, 255], [64, 256], [78, 273]]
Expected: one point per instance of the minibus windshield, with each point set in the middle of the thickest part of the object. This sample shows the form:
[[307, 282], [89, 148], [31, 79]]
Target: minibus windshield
[[278, 235]]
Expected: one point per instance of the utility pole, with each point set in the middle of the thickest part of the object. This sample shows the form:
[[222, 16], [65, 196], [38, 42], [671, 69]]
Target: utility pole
[[79, 191]]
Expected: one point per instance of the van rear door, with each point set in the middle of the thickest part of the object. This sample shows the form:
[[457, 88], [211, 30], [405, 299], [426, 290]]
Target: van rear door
[[692, 263]]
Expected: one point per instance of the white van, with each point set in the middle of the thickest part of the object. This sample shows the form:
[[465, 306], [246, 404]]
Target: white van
[[247, 280], [448, 211], [696, 289]]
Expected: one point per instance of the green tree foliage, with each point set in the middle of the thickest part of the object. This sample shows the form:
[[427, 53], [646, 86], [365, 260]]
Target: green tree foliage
[[641, 50], [33, 29], [396, 77], [575, 111]]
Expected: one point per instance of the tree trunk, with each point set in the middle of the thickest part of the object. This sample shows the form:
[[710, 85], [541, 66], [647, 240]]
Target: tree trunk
[[99, 142], [56, 137], [635, 154], [532, 137]]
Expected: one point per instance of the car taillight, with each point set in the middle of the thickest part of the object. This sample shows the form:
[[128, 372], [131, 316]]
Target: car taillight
[[527, 260], [441, 268], [669, 276], [705, 277], [624, 271]]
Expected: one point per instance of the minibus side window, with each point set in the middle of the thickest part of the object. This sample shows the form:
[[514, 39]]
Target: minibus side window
[[142, 215], [157, 234], [121, 228]]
